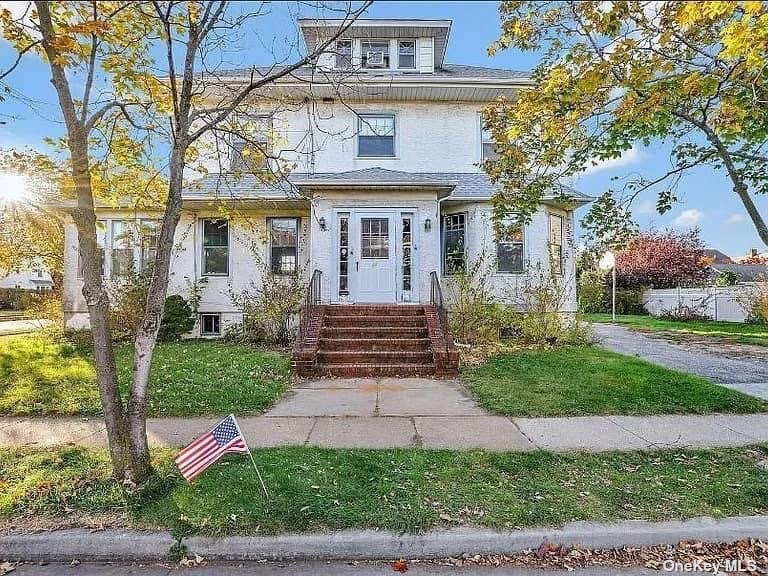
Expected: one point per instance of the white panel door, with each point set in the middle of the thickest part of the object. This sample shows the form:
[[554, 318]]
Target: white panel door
[[375, 257]]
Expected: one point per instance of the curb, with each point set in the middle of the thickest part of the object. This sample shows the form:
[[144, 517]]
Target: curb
[[129, 545]]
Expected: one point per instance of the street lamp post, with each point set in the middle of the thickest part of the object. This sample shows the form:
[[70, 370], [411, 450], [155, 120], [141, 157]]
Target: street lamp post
[[608, 262]]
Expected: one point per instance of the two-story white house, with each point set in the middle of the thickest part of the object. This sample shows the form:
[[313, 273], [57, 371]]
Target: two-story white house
[[385, 195]]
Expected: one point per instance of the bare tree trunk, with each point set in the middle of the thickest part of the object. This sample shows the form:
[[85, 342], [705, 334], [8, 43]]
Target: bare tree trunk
[[146, 336]]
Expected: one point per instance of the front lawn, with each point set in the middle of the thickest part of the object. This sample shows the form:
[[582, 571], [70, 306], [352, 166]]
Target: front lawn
[[316, 489], [42, 376], [580, 381], [733, 332]]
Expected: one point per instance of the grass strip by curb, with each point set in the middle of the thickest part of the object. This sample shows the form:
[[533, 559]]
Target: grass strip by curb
[[405, 490]]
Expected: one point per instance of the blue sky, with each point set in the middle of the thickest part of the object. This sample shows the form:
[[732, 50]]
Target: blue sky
[[707, 200]]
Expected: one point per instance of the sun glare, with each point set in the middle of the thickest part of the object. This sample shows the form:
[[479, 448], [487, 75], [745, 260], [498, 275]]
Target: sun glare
[[14, 188]]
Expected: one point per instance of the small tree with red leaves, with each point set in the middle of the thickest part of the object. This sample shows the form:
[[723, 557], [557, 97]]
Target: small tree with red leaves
[[661, 260]]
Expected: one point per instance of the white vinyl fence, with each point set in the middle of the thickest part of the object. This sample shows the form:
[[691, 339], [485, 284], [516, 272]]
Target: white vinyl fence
[[725, 304]]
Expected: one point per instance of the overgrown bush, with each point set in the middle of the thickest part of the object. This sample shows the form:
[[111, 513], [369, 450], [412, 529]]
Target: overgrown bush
[[128, 300], [593, 292], [475, 317], [726, 278], [628, 301], [270, 308], [756, 305], [178, 319]]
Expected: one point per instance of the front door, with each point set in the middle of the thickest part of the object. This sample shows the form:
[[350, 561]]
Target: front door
[[375, 257]]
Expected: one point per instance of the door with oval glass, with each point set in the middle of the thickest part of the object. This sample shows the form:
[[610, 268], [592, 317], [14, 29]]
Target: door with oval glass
[[375, 257]]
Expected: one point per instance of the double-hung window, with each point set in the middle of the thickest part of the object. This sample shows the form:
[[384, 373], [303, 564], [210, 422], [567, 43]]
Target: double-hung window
[[250, 143], [215, 247], [376, 135], [344, 54], [406, 54], [375, 54], [283, 245], [509, 250], [148, 232], [488, 144], [121, 248], [454, 243], [556, 244]]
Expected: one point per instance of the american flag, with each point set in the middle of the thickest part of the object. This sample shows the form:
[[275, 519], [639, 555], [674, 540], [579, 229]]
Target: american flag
[[224, 438]]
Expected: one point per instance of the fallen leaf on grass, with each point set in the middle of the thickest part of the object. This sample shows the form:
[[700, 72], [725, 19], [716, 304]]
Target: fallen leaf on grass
[[7, 567]]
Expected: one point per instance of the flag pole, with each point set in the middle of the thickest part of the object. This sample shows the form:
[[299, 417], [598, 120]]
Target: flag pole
[[264, 487]]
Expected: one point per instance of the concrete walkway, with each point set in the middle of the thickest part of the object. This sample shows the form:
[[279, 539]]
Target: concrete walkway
[[11, 327], [743, 374], [411, 412]]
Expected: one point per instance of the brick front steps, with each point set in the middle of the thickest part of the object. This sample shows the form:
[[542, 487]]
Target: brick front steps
[[375, 340]]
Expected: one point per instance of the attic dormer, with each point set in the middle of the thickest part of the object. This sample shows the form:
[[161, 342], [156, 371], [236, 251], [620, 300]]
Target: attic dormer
[[380, 46]]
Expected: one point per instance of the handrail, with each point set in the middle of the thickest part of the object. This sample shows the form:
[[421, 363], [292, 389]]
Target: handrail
[[311, 299], [436, 299]]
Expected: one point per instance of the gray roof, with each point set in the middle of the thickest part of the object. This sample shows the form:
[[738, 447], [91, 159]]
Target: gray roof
[[447, 71], [469, 185], [744, 272]]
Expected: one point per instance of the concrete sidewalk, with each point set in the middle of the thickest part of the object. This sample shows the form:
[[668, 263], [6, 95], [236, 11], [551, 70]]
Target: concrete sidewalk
[[589, 434]]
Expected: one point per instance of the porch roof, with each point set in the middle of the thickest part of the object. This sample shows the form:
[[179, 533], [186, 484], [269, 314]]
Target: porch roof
[[454, 186]]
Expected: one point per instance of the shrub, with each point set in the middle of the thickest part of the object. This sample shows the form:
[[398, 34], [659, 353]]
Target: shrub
[[726, 278], [593, 292], [178, 319], [474, 315], [629, 301], [756, 305], [128, 300], [270, 308]]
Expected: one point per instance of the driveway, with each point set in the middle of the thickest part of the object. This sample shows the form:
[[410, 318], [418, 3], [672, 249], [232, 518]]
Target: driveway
[[9, 327], [739, 373]]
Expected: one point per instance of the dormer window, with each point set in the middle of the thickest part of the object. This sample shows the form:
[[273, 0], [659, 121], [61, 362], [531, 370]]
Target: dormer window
[[344, 54], [374, 54], [406, 54]]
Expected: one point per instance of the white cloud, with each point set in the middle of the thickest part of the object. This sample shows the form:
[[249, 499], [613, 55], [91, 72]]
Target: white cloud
[[688, 218], [645, 207], [735, 218], [628, 157]]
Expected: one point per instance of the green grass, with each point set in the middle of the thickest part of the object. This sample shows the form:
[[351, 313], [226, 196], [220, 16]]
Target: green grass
[[588, 380], [41, 376], [315, 489], [733, 332]]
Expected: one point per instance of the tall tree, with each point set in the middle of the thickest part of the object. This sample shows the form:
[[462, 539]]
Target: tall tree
[[111, 44], [616, 74]]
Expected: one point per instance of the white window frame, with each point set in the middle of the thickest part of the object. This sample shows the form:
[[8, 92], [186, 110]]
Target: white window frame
[[443, 252], [522, 243], [483, 141], [561, 263], [358, 119], [364, 55], [203, 272], [337, 52], [297, 265], [398, 41], [216, 315], [235, 141]]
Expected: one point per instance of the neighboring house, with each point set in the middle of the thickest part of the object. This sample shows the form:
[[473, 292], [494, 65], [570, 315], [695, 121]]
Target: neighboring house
[[743, 272], [385, 188], [38, 280]]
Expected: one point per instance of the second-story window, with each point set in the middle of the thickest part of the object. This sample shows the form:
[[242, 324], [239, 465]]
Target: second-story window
[[375, 53], [344, 54], [376, 135], [489, 144], [215, 247], [250, 143], [406, 54]]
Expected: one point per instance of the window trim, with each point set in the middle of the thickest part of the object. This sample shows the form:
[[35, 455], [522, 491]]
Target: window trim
[[364, 57], [234, 140], [337, 52], [269, 244], [482, 139], [522, 242], [203, 273], [415, 49], [443, 252], [561, 268], [202, 323], [395, 148]]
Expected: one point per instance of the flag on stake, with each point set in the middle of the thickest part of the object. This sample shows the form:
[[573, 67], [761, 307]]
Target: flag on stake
[[225, 438]]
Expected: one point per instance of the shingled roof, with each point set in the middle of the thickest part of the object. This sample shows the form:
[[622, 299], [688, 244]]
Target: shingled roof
[[463, 185]]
